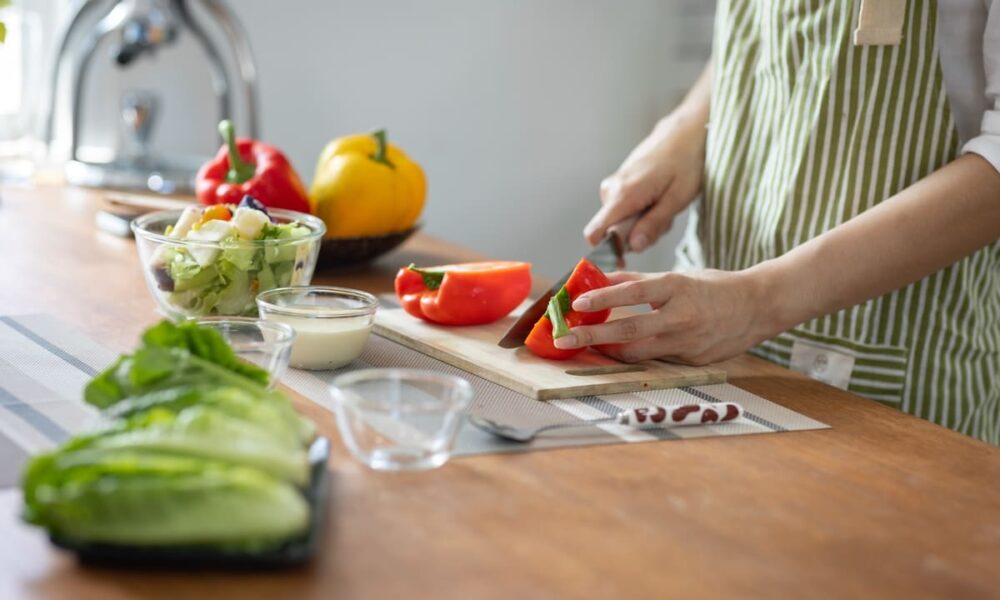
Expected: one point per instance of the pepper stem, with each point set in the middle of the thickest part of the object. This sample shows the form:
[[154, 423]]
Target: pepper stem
[[432, 279], [381, 149], [559, 305], [239, 170]]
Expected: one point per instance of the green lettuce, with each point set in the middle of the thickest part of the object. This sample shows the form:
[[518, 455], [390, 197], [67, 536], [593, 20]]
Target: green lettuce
[[202, 342], [155, 369], [275, 417], [196, 353], [126, 496], [203, 431], [233, 276], [195, 450]]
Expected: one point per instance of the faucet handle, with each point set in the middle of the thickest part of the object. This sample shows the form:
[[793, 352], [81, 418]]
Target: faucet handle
[[139, 112]]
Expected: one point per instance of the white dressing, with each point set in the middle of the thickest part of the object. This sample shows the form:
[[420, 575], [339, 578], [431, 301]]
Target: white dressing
[[325, 343]]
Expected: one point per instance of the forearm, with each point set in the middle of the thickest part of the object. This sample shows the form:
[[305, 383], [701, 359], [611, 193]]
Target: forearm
[[693, 111], [686, 123], [923, 229]]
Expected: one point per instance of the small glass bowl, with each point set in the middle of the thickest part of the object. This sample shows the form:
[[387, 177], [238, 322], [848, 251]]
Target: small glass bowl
[[400, 419], [262, 343], [332, 324]]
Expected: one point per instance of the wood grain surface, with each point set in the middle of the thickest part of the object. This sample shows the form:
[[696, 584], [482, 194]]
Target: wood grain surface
[[474, 349], [883, 505]]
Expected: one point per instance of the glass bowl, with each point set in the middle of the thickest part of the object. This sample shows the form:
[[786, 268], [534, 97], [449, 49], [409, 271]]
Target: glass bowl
[[400, 419], [222, 278], [332, 324], [262, 343]]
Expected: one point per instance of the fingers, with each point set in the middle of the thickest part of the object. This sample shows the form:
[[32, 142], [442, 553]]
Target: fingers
[[618, 331], [652, 224], [655, 290], [620, 200], [615, 277]]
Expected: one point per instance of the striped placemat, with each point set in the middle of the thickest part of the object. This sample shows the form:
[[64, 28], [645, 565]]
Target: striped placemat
[[44, 365], [507, 406]]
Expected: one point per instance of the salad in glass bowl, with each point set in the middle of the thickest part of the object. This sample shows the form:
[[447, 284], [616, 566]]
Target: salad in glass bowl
[[214, 260]]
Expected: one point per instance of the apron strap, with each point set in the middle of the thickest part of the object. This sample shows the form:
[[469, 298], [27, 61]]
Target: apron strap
[[880, 23]]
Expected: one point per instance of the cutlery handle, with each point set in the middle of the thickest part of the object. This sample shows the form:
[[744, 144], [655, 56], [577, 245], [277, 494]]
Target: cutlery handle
[[623, 228], [675, 416], [618, 234]]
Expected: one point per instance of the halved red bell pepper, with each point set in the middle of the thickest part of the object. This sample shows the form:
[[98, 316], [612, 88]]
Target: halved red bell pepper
[[560, 317], [249, 167], [463, 294]]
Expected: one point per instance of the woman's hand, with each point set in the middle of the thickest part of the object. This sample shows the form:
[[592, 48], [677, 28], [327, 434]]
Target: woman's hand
[[697, 318], [661, 176]]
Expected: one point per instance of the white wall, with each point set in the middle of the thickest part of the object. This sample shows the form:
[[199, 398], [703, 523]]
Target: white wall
[[516, 109]]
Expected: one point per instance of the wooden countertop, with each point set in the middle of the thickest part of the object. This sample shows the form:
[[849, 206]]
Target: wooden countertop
[[881, 505]]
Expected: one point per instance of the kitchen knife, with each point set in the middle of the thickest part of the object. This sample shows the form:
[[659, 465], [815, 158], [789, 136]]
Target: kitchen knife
[[608, 255]]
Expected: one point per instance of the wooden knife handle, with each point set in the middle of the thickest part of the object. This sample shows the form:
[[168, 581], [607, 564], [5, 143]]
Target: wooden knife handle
[[675, 416], [622, 229], [618, 234]]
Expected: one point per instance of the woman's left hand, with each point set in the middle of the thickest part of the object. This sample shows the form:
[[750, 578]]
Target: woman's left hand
[[697, 318]]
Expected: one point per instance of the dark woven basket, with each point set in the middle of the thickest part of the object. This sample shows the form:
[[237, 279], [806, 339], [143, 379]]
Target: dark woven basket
[[357, 251]]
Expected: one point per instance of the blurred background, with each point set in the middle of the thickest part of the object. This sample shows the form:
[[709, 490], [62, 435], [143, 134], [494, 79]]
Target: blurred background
[[515, 109]]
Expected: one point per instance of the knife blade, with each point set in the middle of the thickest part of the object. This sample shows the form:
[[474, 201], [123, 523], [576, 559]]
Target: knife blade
[[608, 255]]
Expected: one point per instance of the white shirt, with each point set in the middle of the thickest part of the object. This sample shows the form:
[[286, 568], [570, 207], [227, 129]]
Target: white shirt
[[968, 38]]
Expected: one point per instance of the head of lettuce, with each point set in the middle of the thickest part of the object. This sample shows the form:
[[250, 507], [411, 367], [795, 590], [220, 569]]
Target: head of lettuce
[[195, 452]]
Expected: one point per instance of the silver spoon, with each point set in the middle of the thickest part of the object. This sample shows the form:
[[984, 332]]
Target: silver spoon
[[653, 417]]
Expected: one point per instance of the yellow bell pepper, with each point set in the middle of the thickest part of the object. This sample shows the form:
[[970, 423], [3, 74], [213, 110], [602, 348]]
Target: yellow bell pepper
[[365, 186]]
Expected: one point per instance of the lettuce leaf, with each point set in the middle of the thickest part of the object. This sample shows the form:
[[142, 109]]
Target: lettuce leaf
[[154, 369], [227, 280], [203, 342], [204, 431], [126, 496], [196, 451], [235, 297], [277, 418]]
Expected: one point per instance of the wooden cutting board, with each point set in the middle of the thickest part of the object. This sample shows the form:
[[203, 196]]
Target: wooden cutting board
[[474, 349]]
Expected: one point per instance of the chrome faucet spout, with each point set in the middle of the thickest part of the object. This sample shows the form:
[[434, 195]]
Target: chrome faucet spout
[[137, 28]]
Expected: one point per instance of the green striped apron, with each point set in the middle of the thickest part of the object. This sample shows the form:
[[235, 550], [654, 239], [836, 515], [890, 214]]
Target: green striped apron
[[809, 129]]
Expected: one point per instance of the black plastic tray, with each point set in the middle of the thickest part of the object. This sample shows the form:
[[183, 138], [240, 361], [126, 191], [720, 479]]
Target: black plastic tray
[[294, 552]]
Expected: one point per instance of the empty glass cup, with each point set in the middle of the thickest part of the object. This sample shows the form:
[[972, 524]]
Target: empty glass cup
[[263, 343], [400, 419]]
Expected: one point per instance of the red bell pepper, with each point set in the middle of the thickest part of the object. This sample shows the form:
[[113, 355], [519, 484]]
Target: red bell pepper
[[463, 294], [248, 167], [560, 316]]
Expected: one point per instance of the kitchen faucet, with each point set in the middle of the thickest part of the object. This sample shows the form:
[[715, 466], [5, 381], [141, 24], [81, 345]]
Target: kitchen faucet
[[141, 27]]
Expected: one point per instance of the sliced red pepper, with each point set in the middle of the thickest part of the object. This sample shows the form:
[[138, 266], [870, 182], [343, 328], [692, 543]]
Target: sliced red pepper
[[539, 341], [560, 317], [247, 166], [463, 294], [585, 277]]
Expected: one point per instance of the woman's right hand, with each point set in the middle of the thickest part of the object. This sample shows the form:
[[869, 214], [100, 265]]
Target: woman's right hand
[[662, 176], [659, 178]]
